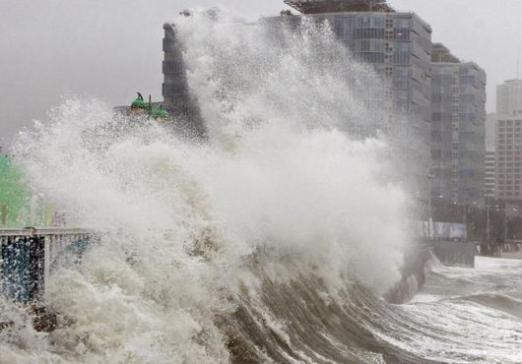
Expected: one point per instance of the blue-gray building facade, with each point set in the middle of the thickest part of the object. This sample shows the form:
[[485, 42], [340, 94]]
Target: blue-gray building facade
[[457, 129], [177, 99], [399, 46], [509, 98]]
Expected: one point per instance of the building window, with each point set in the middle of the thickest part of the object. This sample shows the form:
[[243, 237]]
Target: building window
[[172, 67], [372, 57], [403, 22], [369, 33], [401, 58], [402, 34]]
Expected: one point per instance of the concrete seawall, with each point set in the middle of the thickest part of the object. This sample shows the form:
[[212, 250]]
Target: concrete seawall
[[460, 254], [417, 265]]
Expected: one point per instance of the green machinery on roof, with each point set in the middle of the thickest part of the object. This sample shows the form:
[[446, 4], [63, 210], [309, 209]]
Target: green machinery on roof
[[152, 110]]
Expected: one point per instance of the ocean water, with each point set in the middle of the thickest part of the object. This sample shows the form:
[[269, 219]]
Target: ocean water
[[271, 242], [475, 314]]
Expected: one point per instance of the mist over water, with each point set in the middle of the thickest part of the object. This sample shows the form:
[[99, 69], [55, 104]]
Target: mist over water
[[271, 242]]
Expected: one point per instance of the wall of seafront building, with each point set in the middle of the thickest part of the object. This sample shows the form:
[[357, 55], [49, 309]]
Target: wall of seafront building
[[441, 98], [508, 183], [458, 129], [398, 46], [509, 98], [177, 98], [508, 146]]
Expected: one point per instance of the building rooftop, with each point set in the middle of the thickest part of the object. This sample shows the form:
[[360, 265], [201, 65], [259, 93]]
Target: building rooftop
[[335, 6], [441, 54], [516, 80]]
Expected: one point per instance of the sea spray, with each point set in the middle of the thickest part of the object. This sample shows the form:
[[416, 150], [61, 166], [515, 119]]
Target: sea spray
[[287, 179]]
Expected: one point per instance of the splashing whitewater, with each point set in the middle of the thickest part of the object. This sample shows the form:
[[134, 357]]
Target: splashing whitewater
[[287, 193]]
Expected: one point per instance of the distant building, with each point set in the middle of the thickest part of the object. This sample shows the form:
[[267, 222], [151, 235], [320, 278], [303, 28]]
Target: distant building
[[309, 7], [457, 129], [490, 161], [509, 98], [508, 142], [491, 125], [398, 45], [177, 99], [489, 174], [441, 54], [509, 159]]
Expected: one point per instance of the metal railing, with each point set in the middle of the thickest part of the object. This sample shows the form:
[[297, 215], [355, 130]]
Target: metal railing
[[28, 256], [31, 231]]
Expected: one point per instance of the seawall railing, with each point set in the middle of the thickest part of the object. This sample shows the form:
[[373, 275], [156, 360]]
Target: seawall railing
[[499, 248], [28, 256]]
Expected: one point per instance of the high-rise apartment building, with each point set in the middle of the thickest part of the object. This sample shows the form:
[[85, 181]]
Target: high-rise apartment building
[[489, 174], [490, 159], [491, 122], [398, 45], [457, 129], [508, 142], [509, 159], [509, 98], [177, 98]]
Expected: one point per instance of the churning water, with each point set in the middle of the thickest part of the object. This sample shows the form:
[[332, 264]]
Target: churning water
[[272, 242]]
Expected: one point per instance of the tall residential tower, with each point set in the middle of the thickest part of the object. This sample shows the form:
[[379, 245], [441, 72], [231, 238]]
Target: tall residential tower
[[398, 45], [509, 98], [177, 98], [509, 142], [458, 129]]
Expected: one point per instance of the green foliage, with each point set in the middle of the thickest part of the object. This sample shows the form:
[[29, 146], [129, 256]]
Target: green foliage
[[13, 193], [159, 113]]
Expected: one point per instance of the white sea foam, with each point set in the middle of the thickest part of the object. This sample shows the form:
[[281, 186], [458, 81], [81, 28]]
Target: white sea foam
[[294, 192], [282, 173]]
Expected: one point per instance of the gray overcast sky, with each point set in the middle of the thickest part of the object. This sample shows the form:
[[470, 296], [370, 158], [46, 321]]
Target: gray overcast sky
[[111, 48]]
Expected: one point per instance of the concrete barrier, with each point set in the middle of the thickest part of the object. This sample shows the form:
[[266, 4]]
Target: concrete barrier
[[417, 265], [460, 254]]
